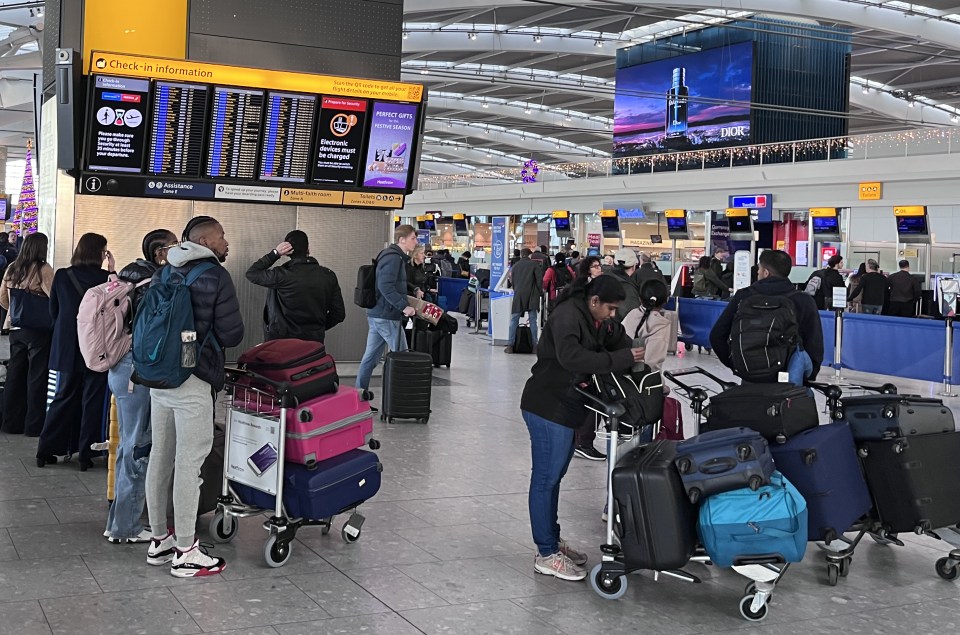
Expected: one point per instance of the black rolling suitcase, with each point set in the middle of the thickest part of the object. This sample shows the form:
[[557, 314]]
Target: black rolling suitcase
[[432, 341], [657, 522], [407, 383], [877, 417], [915, 481], [777, 411]]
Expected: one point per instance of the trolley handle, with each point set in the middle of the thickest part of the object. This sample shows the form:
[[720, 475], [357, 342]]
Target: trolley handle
[[612, 410], [280, 389], [673, 375]]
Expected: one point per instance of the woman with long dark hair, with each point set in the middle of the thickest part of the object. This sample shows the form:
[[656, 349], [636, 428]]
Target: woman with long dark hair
[[26, 387], [133, 407], [580, 338], [75, 418]]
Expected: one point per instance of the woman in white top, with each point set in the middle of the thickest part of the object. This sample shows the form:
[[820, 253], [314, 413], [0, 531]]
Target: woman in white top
[[650, 324]]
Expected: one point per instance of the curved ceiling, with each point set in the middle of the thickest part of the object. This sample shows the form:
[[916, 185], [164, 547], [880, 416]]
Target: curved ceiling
[[519, 79]]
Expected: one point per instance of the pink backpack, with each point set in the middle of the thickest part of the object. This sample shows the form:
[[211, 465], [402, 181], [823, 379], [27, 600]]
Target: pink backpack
[[102, 323]]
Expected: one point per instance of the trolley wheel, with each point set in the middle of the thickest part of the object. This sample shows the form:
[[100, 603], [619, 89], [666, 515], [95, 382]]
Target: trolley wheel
[[276, 552], [374, 444], [607, 585], [837, 415], [947, 569], [883, 538], [325, 525], [746, 611], [687, 347], [349, 533], [383, 417], [750, 589], [833, 573], [845, 566], [218, 530], [423, 420]]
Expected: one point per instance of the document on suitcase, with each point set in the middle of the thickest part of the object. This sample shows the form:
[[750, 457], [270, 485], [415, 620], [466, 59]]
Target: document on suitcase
[[328, 426], [915, 481], [723, 460], [777, 411], [822, 464], [329, 488], [741, 525], [876, 417], [303, 366], [657, 527], [407, 385]]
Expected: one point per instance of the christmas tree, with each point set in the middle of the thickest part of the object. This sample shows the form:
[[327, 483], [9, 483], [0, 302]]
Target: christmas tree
[[25, 218]]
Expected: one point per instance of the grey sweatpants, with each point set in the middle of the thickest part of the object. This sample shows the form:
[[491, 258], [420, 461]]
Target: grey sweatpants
[[182, 420]]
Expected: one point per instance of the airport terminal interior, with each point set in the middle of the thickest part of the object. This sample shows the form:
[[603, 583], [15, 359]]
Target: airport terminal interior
[[686, 135]]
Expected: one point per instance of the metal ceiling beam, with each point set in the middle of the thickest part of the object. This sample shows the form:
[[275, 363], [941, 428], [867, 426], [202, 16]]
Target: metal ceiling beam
[[486, 41], [897, 109], [536, 115], [462, 17], [463, 152], [524, 144], [534, 21]]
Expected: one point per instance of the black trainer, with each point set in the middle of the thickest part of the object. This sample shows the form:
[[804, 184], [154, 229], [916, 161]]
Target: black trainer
[[590, 453]]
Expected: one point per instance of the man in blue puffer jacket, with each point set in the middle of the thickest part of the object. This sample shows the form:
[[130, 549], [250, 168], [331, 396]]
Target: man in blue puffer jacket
[[385, 319], [182, 417]]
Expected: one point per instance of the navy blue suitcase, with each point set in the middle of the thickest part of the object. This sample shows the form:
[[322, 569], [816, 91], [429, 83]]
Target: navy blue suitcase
[[331, 487], [723, 460], [822, 464]]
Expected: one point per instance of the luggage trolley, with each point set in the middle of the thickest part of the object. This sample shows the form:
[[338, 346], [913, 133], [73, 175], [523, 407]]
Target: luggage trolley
[[264, 407]]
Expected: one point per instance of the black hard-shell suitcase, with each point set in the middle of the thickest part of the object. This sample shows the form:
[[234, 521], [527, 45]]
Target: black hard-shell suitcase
[[915, 481], [877, 417], [722, 461], [433, 341], [657, 523], [777, 411], [822, 464], [407, 383]]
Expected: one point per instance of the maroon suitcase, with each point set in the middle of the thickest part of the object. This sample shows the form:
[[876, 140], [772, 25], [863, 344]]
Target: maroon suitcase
[[303, 367]]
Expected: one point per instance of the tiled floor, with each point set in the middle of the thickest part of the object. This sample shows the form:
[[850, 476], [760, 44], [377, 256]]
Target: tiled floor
[[446, 549]]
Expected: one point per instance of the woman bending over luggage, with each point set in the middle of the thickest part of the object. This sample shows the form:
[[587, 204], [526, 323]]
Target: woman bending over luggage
[[579, 339]]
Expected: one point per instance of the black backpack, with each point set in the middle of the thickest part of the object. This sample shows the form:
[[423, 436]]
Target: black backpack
[[563, 277], [365, 293], [765, 333]]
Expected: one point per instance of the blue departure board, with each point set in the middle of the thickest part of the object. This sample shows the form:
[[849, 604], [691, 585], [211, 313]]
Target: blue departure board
[[234, 133], [178, 117], [287, 137]]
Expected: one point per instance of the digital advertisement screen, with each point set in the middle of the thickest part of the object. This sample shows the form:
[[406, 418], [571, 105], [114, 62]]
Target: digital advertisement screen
[[118, 128], [387, 163], [234, 133], [826, 225], [177, 121], [912, 225], [691, 102], [339, 137], [4, 208], [287, 137]]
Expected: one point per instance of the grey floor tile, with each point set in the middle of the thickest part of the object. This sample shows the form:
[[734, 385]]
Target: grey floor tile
[[23, 618], [462, 541], [26, 512], [54, 541], [379, 624], [396, 590], [262, 630], [478, 579], [18, 487], [37, 579], [249, 602], [7, 550], [92, 508], [142, 612], [376, 548], [480, 618], [581, 612], [453, 511], [338, 595]]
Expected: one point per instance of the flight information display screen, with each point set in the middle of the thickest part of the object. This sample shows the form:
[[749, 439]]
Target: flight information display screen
[[234, 133], [287, 137], [118, 130], [677, 225], [912, 225], [826, 225], [177, 123]]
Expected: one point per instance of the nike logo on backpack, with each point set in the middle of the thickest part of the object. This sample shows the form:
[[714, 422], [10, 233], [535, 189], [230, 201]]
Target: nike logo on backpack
[[156, 351]]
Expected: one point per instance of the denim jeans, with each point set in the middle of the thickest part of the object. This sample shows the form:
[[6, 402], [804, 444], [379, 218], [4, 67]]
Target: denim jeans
[[515, 322], [382, 334], [551, 448], [133, 453], [799, 367], [872, 309]]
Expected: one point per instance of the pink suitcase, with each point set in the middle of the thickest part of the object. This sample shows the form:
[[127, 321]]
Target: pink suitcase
[[328, 426]]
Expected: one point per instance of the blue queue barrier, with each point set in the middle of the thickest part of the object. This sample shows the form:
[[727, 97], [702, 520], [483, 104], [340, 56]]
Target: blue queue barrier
[[697, 318], [449, 292], [828, 320], [904, 347]]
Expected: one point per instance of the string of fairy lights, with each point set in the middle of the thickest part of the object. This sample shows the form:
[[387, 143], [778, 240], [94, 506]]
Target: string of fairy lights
[[855, 146]]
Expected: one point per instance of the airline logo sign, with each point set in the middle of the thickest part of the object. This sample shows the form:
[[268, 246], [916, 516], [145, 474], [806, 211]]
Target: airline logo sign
[[872, 191]]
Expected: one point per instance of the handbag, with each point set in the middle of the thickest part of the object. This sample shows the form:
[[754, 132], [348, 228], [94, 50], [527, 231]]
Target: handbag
[[30, 310]]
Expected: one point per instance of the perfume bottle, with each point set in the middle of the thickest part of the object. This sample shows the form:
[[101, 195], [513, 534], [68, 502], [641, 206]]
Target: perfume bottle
[[676, 117]]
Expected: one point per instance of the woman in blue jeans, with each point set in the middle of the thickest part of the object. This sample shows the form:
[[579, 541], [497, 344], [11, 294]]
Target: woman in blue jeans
[[579, 339], [133, 408]]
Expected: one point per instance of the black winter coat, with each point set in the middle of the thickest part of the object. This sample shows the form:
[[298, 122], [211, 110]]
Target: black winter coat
[[630, 288], [571, 348], [64, 306], [304, 299]]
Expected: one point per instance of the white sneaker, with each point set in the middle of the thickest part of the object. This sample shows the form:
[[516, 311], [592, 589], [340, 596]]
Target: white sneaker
[[194, 562], [559, 566], [161, 550], [576, 557], [143, 536]]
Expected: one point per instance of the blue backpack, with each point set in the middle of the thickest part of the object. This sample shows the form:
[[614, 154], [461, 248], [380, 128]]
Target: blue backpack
[[165, 311]]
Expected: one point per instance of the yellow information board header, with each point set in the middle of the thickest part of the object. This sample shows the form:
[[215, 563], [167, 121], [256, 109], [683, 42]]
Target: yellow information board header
[[823, 212], [675, 213], [220, 74], [459, 217], [561, 213], [608, 213], [737, 212], [910, 210]]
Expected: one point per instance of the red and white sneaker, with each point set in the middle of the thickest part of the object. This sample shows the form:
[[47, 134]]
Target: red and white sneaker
[[194, 562], [161, 550]]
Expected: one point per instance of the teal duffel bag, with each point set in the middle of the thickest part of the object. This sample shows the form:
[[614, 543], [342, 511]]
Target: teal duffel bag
[[771, 521]]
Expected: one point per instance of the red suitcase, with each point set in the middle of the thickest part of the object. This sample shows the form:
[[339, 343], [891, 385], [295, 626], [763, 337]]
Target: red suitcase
[[302, 366]]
